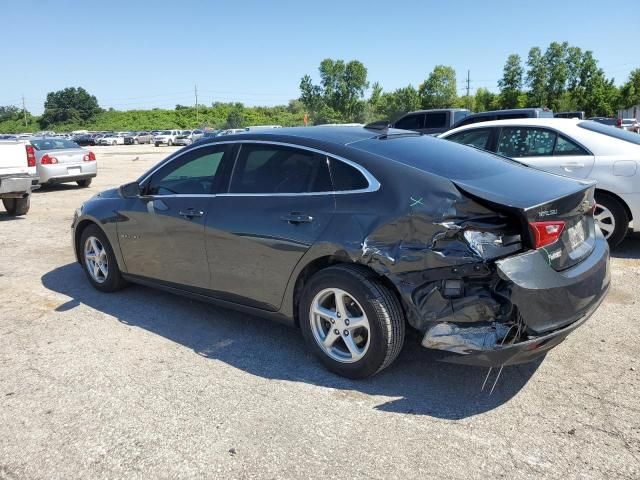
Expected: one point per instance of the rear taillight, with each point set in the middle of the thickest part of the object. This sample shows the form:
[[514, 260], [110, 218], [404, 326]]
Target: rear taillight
[[546, 233], [619, 123], [89, 157], [31, 155], [48, 160]]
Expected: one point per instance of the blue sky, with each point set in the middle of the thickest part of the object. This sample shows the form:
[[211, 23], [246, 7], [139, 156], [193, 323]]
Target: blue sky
[[138, 54]]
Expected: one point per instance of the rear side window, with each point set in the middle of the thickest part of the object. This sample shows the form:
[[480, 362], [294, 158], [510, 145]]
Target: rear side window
[[478, 137], [346, 178], [435, 120], [411, 122], [275, 169], [517, 142], [564, 146]]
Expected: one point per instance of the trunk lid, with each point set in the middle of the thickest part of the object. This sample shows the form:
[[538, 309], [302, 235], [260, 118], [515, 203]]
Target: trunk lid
[[569, 202], [68, 156]]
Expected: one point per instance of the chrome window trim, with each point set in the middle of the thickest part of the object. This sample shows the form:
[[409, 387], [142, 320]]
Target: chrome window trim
[[374, 185]]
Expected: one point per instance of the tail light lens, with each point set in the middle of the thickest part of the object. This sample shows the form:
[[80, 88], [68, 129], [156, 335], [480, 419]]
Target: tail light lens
[[546, 233], [31, 155], [90, 157], [619, 123], [48, 160]]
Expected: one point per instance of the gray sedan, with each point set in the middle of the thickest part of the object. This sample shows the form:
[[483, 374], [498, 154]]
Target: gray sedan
[[62, 161]]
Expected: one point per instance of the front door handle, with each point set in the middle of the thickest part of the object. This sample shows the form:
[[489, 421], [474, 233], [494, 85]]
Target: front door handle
[[295, 218], [191, 213], [572, 165]]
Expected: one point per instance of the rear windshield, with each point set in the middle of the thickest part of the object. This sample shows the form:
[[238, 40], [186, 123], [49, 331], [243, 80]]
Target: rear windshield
[[53, 144], [441, 157], [618, 133]]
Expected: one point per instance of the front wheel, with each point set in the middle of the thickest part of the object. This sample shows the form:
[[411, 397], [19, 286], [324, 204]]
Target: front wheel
[[17, 206], [351, 321], [612, 219], [99, 261], [169, 142]]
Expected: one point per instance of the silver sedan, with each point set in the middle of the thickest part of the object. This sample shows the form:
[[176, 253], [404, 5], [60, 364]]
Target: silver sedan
[[62, 161]]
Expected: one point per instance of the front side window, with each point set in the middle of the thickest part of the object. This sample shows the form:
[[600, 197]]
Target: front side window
[[411, 122], [516, 142], [478, 137], [275, 169], [193, 173]]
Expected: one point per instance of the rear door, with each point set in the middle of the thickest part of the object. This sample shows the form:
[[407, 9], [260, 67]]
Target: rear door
[[278, 203], [161, 233], [545, 149]]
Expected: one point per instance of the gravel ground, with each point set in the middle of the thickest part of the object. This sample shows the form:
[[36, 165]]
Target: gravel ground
[[143, 384]]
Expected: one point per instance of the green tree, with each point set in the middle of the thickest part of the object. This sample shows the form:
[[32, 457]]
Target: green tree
[[536, 78], [71, 105], [555, 59], [598, 95], [235, 118], [630, 91], [484, 100], [511, 82], [394, 104], [439, 90], [340, 95]]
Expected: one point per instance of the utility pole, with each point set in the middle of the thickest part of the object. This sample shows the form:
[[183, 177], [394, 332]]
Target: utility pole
[[24, 112], [468, 87], [196, 92]]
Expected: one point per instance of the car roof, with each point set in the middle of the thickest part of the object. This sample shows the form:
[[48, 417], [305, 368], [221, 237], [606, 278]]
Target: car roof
[[438, 110], [338, 135], [541, 122]]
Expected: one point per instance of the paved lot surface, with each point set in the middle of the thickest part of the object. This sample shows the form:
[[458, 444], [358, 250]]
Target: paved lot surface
[[143, 384]]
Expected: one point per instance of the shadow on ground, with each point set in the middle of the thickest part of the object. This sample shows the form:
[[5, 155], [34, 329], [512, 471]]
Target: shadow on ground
[[629, 248], [420, 384]]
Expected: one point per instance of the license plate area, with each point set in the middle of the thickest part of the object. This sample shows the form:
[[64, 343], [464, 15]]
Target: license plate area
[[577, 234], [74, 171]]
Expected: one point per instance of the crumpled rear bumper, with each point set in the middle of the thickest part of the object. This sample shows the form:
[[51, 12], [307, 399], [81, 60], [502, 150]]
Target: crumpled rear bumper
[[550, 305]]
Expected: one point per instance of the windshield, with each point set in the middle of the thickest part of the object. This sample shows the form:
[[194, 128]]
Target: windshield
[[165, 132], [618, 133], [186, 132], [53, 144]]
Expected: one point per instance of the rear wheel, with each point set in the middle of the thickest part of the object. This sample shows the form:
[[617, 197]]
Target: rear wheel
[[17, 206], [136, 141], [612, 219], [351, 321], [99, 261], [84, 183]]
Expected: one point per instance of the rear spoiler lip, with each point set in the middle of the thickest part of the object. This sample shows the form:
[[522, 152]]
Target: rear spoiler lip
[[581, 186]]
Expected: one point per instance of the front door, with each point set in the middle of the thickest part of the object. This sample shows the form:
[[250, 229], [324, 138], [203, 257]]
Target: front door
[[279, 202], [162, 233]]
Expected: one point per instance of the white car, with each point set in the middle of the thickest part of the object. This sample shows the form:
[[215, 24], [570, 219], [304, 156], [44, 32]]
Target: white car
[[187, 137], [166, 137], [112, 139], [574, 148]]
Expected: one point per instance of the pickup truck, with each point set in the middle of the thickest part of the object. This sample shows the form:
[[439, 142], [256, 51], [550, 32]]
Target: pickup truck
[[17, 172]]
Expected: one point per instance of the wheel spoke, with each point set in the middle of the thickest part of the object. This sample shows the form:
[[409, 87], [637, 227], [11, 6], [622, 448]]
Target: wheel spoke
[[103, 269], [358, 322], [341, 306], [330, 339], [605, 227], [356, 353], [94, 246], [96, 270], [323, 312]]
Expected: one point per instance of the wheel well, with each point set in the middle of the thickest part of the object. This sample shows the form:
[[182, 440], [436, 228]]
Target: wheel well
[[320, 264], [616, 197]]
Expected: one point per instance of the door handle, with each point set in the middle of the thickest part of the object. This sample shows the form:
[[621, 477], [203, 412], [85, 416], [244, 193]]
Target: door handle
[[572, 165], [295, 218], [191, 213]]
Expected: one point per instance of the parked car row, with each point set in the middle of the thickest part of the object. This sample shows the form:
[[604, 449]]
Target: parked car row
[[26, 165]]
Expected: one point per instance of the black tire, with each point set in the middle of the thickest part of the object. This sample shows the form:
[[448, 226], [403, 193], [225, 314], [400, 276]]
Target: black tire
[[169, 143], [619, 214], [136, 141], [17, 206], [157, 144], [381, 306], [84, 183], [113, 281]]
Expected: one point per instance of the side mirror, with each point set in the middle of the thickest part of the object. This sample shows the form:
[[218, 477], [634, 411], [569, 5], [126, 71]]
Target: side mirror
[[130, 190]]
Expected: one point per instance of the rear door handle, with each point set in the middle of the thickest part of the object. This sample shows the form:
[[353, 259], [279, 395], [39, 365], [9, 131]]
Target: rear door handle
[[296, 218], [572, 165], [191, 213]]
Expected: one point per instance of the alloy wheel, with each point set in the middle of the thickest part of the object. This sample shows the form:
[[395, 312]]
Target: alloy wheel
[[605, 220], [339, 325], [95, 259]]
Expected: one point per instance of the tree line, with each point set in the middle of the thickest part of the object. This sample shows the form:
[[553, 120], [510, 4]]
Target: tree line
[[562, 77]]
